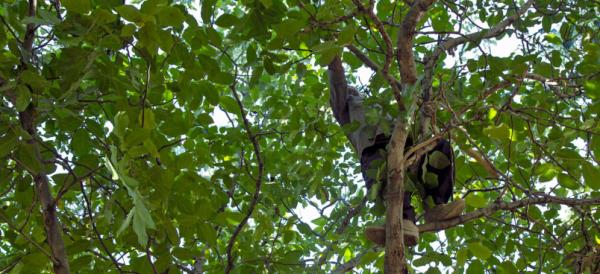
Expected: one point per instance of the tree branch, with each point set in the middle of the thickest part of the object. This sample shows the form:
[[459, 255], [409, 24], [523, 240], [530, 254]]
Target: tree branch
[[389, 53], [483, 161], [488, 211], [349, 265], [368, 62], [404, 54], [88, 206], [389, 48], [394, 232], [52, 225], [20, 231], [258, 180]]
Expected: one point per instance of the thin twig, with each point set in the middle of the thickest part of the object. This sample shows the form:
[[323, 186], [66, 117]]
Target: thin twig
[[258, 180]]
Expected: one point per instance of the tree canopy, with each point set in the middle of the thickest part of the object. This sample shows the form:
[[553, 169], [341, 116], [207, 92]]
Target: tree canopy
[[196, 136]]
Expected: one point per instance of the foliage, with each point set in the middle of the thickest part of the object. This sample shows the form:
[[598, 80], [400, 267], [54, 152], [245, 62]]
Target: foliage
[[192, 137]]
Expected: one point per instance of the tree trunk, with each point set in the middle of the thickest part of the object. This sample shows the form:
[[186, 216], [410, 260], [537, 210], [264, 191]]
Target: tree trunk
[[394, 236], [51, 223], [52, 226]]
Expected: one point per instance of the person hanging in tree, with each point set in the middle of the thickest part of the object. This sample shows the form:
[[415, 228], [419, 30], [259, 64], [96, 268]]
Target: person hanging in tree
[[434, 181]]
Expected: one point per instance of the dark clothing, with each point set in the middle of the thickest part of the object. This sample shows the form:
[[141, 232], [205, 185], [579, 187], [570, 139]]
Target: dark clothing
[[370, 142], [373, 156], [443, 192]]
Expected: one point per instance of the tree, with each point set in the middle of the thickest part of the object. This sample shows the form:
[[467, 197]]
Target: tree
[[166, 136]]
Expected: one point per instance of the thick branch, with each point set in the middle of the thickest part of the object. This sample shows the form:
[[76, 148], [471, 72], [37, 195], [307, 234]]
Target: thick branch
[[394, 240], [52, 226], [404, 54], [488, 211], [258, 180]]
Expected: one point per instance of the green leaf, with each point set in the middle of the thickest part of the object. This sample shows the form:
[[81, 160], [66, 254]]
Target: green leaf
[[553, 38], [17, 269], [121, 122], [592, 89], [208, 234], [266, 3], [327, 56], [501, 132], [151, 147], [165, 41], [422, 261], [433, 270], [8, 143], [440, 21], [544, 69], [223, 78], [77, 6], [146, 119], [567, 181], [129, 182], [508, 267], [369, 257], [209, 91], [346, 36], [36, 81], [170, 16], [492, 114], [555, 58], [141, 218], [136, 136], [80, 142], [126, 222], [476, 201], [547, 23], [229, 104], [23, 98], [595, 145], [461, 256], [207, 10], [547, 172], [475, 268], [479, 250], [347, 255], [27, 157], [226, 20], [149, 39], [142, 212], [228, 218], [534, 212], [129, 13], [111, 168], [304, 229], [591, 175]]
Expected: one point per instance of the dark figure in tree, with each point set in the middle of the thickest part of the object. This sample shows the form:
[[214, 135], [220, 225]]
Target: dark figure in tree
[[435, 181]]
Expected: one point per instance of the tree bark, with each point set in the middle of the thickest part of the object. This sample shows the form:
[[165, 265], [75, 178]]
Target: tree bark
[[394, 236], [404, 53], [52, 225], [509, 206]]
